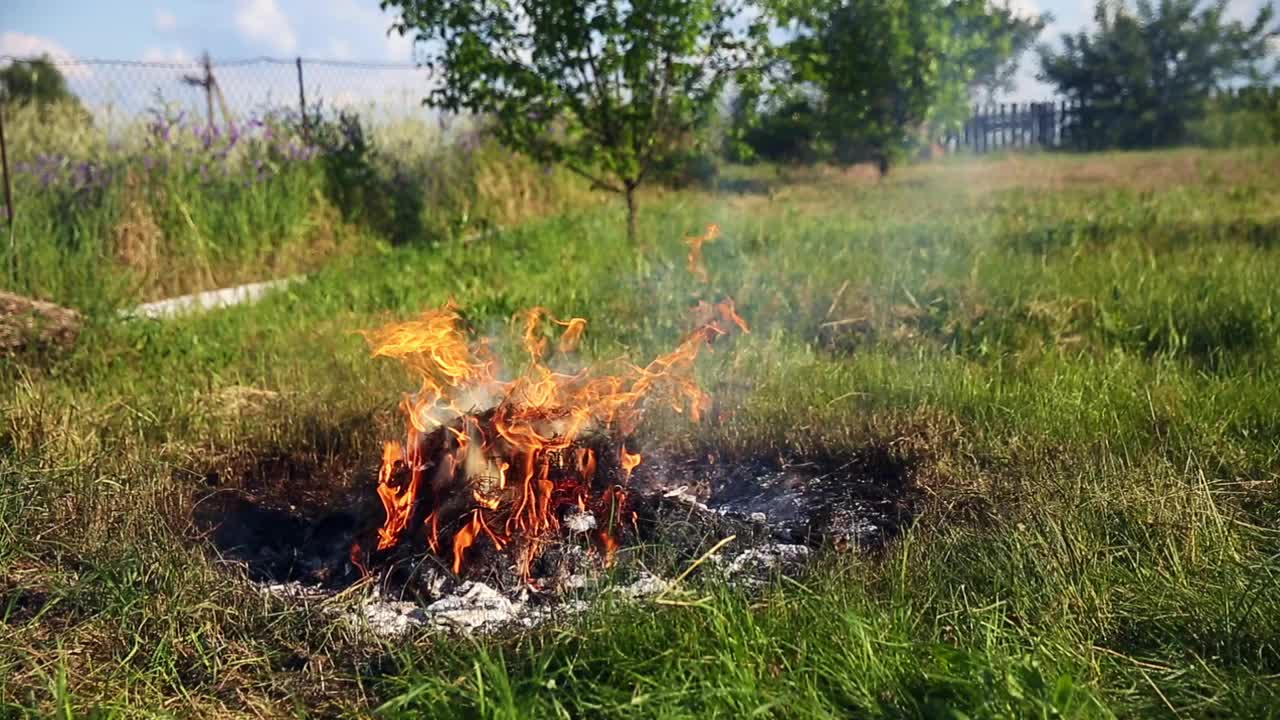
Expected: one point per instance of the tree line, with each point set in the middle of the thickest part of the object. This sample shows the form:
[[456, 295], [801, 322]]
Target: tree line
[[622, 93], [614, 90]]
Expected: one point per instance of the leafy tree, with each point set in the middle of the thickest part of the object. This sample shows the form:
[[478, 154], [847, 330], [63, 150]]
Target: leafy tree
[[38, 81], [1144, 75], [783, 128], [608, 89], [861, 79], [997, 39]]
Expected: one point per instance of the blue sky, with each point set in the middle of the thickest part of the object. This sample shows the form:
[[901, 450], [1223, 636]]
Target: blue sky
[[178, 30], [181, 29]]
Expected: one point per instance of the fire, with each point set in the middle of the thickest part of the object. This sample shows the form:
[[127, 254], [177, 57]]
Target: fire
[[397, 501], [630, 461], [696, 266], [505, 461]]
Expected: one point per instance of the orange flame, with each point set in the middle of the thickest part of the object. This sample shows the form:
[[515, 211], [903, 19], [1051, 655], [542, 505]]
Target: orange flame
[[696, 266], [464, 539], [630, 461], [396, 501], [513, 458]]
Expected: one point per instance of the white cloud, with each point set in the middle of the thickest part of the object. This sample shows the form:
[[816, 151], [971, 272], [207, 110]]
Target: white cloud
[[263, 21], [165, 20], [23, 45], [370, 19], [176, 56]]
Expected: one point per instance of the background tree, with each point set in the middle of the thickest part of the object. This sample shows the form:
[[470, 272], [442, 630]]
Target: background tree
[[861, 79], [1145, 73], [997, 39], [607, 89], [35, 81]]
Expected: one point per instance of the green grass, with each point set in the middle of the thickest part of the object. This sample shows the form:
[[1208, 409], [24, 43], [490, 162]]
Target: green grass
[[1072, 356]]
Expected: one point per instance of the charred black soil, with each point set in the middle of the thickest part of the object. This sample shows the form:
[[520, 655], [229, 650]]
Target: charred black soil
[[284, 519]]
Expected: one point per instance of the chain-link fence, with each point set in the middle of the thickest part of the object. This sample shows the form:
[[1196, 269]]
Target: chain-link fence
[[118, 92]]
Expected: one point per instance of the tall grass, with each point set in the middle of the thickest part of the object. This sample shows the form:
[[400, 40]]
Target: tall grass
[[162, 206]]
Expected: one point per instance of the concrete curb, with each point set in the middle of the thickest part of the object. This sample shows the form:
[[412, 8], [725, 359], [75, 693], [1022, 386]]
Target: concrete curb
[[209, 300]]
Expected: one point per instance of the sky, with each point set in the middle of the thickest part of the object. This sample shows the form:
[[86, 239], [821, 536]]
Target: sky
[[178, 31]]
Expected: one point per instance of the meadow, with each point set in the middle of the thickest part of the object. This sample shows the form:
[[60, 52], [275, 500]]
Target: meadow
[[1071, 357]]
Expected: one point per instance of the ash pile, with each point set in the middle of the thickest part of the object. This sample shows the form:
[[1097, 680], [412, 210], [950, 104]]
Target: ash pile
[[780, 515]]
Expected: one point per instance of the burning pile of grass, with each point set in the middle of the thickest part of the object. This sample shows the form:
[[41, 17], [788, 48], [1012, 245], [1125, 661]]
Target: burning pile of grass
[[508, 463]]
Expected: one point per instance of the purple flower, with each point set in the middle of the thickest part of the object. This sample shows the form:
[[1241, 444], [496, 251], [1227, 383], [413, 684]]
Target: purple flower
[[84, 174]]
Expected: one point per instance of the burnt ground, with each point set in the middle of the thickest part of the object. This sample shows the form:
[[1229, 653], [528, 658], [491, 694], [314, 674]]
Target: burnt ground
[[287, 520]]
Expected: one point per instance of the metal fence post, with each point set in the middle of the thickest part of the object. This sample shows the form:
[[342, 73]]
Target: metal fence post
[[208, 87], [302, 103]]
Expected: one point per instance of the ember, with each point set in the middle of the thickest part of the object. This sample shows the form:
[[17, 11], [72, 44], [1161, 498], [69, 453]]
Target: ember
[[506, 462]]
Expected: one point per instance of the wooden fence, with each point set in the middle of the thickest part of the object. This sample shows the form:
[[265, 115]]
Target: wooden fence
[[1005, 126], [1009, 126]]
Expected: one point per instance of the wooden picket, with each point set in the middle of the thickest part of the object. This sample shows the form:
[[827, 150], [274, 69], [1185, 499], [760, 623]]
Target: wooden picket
[[994, 127]]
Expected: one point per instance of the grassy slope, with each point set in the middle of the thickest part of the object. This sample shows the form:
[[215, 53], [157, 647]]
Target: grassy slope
[[1075, 356]]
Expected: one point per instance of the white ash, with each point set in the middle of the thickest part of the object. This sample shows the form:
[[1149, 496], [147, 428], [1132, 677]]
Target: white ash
[[646, 585], [581, 521], [391, 618], [686, 496], [477, 608], [764, 560], [473, 606], [294, 590], [576, 581]]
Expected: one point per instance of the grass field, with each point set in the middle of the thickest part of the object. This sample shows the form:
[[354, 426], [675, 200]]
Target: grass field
[[1072, 357]]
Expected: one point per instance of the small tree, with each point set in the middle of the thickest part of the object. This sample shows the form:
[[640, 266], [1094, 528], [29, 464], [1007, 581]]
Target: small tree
[[863, 78], [35, 81], [1145, 73], [607, 89]]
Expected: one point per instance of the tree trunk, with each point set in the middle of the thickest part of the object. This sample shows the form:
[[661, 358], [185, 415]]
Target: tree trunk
[[631, 212]]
